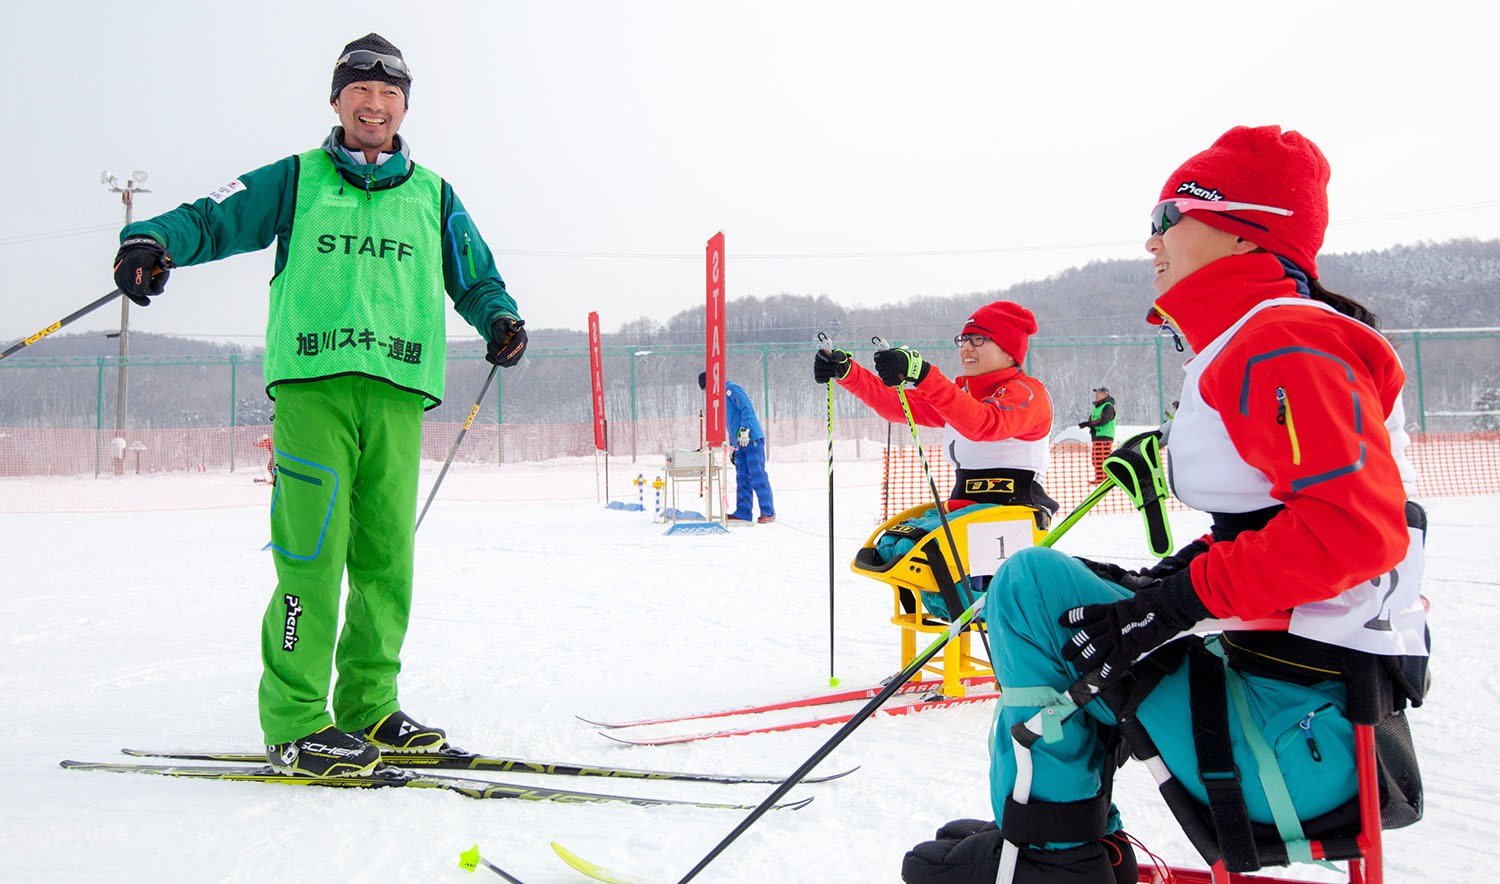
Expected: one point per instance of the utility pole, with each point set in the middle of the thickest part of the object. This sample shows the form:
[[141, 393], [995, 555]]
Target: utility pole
[[127, 194]]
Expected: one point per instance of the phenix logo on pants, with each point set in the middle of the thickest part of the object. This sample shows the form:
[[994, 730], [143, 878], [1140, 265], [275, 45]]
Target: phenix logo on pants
[[293, 611]]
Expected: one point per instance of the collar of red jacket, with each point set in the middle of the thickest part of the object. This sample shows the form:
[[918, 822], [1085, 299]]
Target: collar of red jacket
[[984, 385], [1210, 300]]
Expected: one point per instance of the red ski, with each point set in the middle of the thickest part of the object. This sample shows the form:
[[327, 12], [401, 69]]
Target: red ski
[[902, 709], [915, 687]]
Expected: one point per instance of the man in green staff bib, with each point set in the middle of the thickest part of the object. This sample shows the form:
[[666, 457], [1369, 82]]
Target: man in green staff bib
[[367, 244]]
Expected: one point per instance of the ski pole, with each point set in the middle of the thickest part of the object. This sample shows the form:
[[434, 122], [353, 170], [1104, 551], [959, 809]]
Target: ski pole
[[901, 678], [827, 346], [471, 860], [478, 400], [958, 559], [76, 314]]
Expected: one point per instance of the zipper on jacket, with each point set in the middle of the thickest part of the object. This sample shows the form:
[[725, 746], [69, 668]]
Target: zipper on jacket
[[1284, 417], [1306, 725], [469, 253], [368, 181]]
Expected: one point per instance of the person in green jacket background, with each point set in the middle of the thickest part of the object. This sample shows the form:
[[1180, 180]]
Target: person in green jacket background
[[367, 243], [1101, 427]]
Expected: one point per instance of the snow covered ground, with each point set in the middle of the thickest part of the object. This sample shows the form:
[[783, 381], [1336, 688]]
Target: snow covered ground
[[140, 629]]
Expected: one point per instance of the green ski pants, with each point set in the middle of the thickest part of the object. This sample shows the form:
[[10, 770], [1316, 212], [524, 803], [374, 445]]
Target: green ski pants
[[347, 450]]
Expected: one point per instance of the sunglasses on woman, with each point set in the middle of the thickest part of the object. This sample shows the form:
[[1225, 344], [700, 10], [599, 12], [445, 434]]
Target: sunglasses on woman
[[1169, 212], [971, 340]]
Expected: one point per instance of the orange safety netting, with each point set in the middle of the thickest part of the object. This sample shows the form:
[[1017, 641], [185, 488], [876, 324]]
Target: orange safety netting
[[228, 461], [1446, 463]]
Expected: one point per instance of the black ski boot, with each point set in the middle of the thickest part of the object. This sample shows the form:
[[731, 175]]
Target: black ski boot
[[328, 753], [968, 852], [397, 733]]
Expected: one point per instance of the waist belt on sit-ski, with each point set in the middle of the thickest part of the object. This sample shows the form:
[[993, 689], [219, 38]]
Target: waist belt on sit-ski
[[1002, 486]]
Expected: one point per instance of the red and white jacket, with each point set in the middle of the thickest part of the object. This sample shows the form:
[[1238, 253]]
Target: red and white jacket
[[997, 420], [1288, 402]]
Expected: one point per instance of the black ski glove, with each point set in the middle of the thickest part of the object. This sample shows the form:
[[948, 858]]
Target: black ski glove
[[507, 341], [1111, 637], [141, 269], [1177, 560], [901, 364], [1131, 580], [1137, 580], [831, 365], [1083, 425]]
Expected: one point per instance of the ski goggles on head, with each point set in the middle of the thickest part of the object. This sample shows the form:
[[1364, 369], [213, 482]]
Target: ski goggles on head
[[366, 60], [971, 339], [1169, 212]]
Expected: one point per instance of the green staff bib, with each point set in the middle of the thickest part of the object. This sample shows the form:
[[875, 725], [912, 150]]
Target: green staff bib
[[1104, 431], [362, 289]]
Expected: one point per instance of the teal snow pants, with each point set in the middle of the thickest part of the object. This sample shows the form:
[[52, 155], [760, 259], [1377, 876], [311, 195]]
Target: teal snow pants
[[1026, 597], [347, 450]]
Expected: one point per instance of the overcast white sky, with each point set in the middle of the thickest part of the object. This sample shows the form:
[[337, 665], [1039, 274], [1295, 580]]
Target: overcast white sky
[[868, 151]]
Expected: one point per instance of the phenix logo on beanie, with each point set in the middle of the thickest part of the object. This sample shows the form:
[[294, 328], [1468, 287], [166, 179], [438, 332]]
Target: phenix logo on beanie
[[1269, 167], [1007, 323], [371, 57]]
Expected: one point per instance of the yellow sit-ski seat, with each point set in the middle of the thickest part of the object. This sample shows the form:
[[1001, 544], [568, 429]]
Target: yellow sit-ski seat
[[985, 536]]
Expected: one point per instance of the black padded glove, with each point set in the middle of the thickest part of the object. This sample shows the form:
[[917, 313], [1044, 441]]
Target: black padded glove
[[141, 269], [1177, 561], [507, 341], [901, 364], [1131, 580], [1083, 425], [831, 365], [1112, 636]]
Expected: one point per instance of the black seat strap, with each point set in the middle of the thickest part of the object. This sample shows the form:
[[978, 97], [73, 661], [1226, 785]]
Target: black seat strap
[[947, 587], [1216, 767]]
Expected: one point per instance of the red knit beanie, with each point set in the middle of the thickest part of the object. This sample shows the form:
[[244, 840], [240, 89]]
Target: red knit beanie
[[1266, 166], [1006, 323]]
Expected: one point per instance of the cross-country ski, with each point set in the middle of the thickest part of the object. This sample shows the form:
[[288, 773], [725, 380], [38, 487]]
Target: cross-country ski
[[460, 760], [920, 686], [897, 709], [392, 777]]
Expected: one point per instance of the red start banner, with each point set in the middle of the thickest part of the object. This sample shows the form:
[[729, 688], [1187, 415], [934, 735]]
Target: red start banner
[[713, 383], [596, 384]]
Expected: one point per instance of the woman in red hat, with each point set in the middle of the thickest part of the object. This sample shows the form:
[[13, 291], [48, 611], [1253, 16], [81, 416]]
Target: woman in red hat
[[1290, 433], [996, 418]]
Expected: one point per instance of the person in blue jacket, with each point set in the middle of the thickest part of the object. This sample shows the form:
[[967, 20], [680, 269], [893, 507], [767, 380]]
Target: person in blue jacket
[[749, 458]]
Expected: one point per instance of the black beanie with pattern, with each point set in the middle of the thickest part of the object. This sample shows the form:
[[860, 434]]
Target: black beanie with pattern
[[343, 75]]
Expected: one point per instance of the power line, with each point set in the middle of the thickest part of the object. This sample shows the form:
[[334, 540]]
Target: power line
[[22, 238], [55, 234]]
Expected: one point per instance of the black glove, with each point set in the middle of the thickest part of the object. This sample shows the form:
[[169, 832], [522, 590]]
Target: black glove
[[1111, 637], [1131, 580], [141, 269], [1083, 425], [831, 365], [507, 341], [900, 364], [1176, 561], [1137, 580]]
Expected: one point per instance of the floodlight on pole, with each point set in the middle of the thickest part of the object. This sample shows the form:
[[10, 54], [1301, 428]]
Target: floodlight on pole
[[127, 197]]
